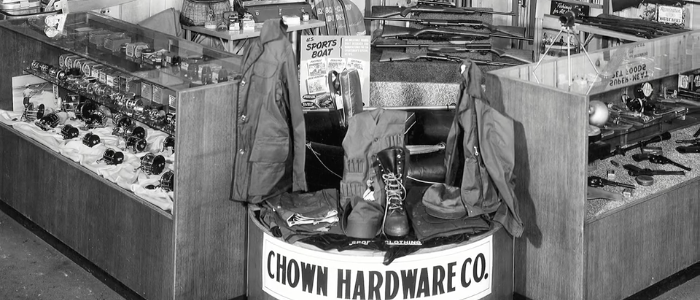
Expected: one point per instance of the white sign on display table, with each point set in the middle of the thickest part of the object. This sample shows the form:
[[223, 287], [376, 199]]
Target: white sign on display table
[[460, 273]]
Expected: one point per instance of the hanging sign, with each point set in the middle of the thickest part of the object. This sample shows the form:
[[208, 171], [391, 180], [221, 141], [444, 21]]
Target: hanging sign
[[670, 14], [461, 273], [559, 8]]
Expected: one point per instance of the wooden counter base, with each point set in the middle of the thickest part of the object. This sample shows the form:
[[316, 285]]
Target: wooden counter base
[[102, 222]]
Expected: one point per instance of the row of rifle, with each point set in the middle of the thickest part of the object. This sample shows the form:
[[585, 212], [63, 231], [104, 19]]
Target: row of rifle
[[442, 37], [636, 27]]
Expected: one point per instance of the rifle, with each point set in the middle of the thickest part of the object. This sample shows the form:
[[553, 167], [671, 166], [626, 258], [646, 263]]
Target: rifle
[[476, 47], [391, 11], [401, 32], [476, 24], [499, 52], [389, 56]]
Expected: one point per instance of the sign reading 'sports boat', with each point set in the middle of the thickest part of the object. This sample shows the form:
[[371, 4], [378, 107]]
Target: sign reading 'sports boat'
[[460, 273]]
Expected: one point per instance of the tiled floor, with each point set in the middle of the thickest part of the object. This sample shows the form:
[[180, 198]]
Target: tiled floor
[[31, 268]]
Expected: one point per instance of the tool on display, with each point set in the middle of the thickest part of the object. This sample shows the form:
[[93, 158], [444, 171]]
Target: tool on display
[[691, 141], [695, 148], [623, 150], [596, 181], [658, 159], [633, 170]]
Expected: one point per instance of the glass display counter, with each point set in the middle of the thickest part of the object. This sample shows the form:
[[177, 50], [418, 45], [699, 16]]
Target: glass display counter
[[195, 248], [576, 248]]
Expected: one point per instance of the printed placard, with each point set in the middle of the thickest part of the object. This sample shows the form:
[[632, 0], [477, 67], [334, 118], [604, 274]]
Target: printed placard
[[670, 14], [461, 273], [320, 55], [559, 8]]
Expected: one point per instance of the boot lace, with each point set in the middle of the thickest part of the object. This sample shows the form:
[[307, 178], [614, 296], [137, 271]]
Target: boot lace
[[395, 190]]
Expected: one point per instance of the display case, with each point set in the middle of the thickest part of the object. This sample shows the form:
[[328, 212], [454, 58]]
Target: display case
[[574, 248], [192, 249]]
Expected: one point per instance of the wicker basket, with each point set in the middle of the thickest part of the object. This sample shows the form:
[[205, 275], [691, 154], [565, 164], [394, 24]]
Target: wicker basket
[[196, 13]]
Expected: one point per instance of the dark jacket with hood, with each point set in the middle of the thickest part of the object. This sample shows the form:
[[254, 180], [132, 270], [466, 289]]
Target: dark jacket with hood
[[270, 133]]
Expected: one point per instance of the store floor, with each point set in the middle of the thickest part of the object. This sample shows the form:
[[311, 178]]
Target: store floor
[[34, 265]]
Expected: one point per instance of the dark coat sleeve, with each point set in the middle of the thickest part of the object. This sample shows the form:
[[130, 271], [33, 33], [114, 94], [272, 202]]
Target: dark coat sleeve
[[297, 122]]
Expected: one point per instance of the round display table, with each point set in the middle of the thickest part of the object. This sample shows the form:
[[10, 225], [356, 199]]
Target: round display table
[[481, 268]]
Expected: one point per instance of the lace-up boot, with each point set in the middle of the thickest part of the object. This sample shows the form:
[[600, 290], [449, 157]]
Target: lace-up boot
[[390, 168]]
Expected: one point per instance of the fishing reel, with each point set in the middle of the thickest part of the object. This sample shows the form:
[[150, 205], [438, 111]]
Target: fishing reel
[[91, 139], [134, 107], [48, 122], [152, 164], [112, 157], [136, 144], [85, 109], [169, 122], [32, 113], [69, 132], [97, 119], [167, 181], [169, 144]]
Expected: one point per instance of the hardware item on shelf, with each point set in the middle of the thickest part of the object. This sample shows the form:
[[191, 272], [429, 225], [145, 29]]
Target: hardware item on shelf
[[69, 132], [167, 181], [658, 159], [134, 107], [32, 113], [91, 139], [600, 150], [597, 181], [155, 114], [644, 180], [114, 42], [694, 148], [135, 144], [170, 119], [169, 144], [85, 109], [152, 164], [112, 157], [48, 122], [633, 170]]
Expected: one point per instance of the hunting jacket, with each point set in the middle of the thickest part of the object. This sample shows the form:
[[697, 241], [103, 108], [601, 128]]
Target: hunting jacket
[[484, 168], [270, 134]]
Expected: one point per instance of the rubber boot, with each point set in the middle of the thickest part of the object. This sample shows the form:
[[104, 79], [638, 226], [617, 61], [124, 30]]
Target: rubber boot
[[390, 169]]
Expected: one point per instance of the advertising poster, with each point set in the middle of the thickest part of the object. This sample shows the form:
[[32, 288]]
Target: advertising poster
[[320, 55], [29, 88], [460, 273]]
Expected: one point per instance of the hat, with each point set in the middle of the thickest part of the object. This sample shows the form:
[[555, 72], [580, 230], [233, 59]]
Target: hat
[[444, 201], [427, 226], [362, 219]]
